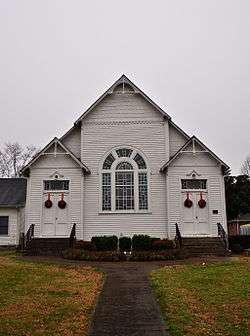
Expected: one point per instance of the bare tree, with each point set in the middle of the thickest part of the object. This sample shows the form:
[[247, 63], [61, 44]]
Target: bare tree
[[245, 169], [13, 157]]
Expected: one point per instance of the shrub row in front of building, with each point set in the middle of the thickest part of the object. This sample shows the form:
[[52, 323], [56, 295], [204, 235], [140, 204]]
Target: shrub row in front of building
[[136, 243], [137, 248]]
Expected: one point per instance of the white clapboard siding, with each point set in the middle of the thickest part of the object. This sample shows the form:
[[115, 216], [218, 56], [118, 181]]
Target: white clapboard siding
[[125, 120], [207, 168], [176, 140], [124, 106], [13, 235], [42, 170], [153, 223], [72, 141]]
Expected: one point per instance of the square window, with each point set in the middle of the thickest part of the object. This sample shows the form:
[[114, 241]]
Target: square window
[[4, 225]]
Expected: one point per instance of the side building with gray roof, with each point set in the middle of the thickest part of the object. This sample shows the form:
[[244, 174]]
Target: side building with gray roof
[[12, 210]]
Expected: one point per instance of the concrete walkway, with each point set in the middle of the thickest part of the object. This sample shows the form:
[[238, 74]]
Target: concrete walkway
[[126, 305]]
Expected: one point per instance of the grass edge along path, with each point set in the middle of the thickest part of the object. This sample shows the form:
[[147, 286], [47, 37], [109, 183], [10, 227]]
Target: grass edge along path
[[38, 298], [205, 299]]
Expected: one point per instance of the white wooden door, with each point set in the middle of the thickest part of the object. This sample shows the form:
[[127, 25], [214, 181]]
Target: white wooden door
[[55, 220], [195, 220], [61, 220]]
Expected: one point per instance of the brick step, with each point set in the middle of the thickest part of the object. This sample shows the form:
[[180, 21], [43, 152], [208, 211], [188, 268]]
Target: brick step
[[204, 244], [197, 251], [47, 246], [201, 239], [206, 254]]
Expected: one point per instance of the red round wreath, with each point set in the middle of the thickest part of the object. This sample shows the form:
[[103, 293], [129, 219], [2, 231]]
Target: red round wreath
[[48, 203], [202, 203], [188, 202], [62, 204]]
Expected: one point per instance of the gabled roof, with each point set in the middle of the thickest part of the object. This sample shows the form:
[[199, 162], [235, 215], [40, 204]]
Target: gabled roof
[[122, 80], [182, 149], [12, 192], [24, 170]]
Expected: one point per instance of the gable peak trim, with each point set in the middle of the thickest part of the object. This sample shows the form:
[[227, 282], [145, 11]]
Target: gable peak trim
[[123, 79], [193, 139], [55, 141]]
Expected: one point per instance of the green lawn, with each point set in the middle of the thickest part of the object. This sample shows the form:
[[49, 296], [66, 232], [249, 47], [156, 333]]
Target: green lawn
[[43, 299], [205, 300]]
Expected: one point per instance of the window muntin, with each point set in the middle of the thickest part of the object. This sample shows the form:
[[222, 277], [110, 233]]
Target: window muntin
[[124, 190], [4, 225], [106, 191], [124, 183], [140, 161], [108, 162], [143, 191], [124, 152], [56, 185], [194, 184]]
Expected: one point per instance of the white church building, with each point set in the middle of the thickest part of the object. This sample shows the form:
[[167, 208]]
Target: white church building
[[125, 168]]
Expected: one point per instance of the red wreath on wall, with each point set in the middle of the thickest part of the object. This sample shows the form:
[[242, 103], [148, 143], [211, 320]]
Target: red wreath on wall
[[62, 204], [202, 203], [48, 203], [188, 202]]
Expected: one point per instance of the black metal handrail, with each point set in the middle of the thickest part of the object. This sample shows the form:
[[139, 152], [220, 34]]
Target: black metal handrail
[[223, 235], [27, 237], [72, 237], [178, 238]]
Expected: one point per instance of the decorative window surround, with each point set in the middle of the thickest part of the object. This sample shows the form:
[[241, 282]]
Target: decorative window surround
[[124, 182]]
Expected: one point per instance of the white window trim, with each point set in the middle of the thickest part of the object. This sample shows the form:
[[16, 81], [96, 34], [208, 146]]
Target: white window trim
[[8, 234], [135, 170], [56, 190]]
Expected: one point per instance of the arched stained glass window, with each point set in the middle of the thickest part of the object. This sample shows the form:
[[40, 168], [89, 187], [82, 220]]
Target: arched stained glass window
[[124, 183]]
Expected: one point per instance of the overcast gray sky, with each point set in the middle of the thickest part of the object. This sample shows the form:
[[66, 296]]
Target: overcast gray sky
[[192, 57]]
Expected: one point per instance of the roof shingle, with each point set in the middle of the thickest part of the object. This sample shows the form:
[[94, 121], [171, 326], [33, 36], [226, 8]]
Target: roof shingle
[[12, 192]]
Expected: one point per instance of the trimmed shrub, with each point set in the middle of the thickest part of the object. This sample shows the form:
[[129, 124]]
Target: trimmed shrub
[[78, 254], [141, 243], [172, 254], [162, 244], [105, 243], [84, 245], [125, 244], [242, 240], [237, 248]]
